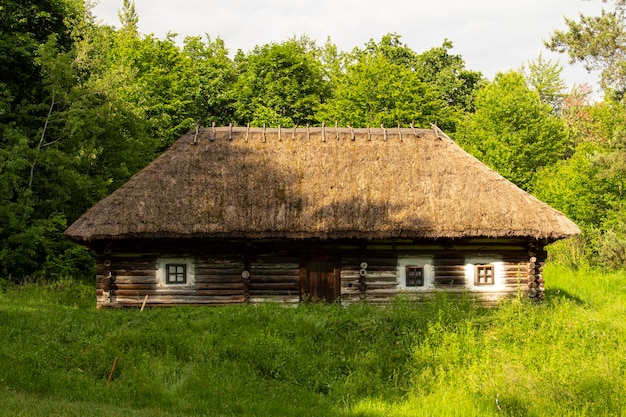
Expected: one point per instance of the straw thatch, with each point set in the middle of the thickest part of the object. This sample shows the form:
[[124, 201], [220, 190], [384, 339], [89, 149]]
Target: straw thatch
[[318, 183]]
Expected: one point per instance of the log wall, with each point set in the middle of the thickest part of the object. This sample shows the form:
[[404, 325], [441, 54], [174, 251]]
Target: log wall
[[232, 273]]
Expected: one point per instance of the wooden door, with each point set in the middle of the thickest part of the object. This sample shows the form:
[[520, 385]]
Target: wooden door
[[318, 281]]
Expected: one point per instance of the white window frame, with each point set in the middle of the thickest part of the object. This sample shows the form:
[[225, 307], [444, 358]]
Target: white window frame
[[498, 273], [422, 261], [162, 271]]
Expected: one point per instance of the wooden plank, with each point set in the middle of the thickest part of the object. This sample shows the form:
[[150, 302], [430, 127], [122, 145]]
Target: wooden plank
[[124, 286], [121, 279], [275, 266], [447, 281], [219, 271], [190, 293], [172, 301], [289, 299], [135, 272], [204, 279], [381, 275], [274, 278], [212, 262], [281, 274], [449, 276], [273, 286], [220, 286]]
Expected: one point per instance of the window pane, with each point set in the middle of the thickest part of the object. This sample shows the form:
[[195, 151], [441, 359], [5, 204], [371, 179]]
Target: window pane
[[176, 274], [484, 275], [414, 276]]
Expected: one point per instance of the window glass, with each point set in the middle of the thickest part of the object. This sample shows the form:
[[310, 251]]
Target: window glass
[[414, 276], [176, 274], [484, 275]]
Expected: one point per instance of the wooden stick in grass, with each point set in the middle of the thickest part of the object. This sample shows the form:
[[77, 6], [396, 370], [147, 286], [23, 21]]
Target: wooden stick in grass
[[117, 358]]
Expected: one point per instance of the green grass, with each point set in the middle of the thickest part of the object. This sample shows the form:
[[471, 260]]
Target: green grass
[[563, 357]]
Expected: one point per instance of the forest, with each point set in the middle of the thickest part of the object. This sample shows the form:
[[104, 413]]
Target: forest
[[84, 106]]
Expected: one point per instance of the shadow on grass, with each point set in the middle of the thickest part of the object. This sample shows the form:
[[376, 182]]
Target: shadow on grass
[[556, 292]]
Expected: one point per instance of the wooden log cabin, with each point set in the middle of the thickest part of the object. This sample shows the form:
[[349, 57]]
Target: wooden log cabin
[[246, 215]]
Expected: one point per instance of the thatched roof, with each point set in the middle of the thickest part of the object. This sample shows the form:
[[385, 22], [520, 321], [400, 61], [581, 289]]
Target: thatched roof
[[318, 183]]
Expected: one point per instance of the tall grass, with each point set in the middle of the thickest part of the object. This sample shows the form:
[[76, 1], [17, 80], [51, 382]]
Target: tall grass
[[450, 357]]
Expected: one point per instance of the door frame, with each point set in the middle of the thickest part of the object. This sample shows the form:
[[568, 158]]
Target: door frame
[[318, 256]]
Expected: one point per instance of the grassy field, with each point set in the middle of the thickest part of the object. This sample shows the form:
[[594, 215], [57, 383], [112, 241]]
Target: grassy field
[[563, 357]]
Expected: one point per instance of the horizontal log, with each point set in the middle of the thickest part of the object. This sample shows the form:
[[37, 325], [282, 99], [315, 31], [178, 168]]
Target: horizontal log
[[219, 271], [450, 270], [275, 266], [278, 257], [449, 282], [382, 274], [135, 272], [220, 286], [172, 301], [449, 276], [381, 281], [441, 262], [392, 260], [274, 272], [272, 278], [133, 286], [121, 279], [218, 278], [514, 275], [518, 267], [275, 299], [179, 293], [204, 262], [132, 263], [378, 287], [509, 281], [275, 286]]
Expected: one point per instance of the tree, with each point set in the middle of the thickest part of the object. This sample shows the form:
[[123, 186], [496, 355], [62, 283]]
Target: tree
[[214, 99], [457, 86], [600, 43], [512, 131], [128, 17], [36, 69], [545, 78], [280, 84], [380, 85], [375, 91]]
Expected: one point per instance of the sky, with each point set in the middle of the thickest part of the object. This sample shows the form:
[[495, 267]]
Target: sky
[[491, 35]]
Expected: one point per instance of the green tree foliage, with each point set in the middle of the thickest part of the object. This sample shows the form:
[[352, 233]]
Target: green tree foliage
[[589, 187], [388, 83], [217, 75], [592, 181], [545, 78], [512, 131], [600, 43], [84, 106], [35, 50], [456, 85], [280, 84]]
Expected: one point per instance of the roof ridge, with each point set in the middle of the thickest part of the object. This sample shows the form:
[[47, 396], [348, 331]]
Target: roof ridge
[[326, 132]]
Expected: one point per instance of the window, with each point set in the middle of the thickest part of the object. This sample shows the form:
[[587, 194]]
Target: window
[[484, 275], [415, 273], [414, 276], [176, 274]]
